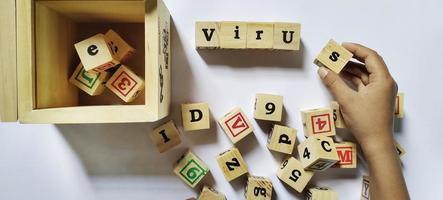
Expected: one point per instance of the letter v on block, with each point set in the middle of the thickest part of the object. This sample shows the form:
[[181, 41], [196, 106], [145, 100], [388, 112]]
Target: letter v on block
[[207, 35]]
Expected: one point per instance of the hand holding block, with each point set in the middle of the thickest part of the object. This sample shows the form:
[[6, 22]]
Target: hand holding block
[[258, 188], [318, 122], [125, 84], [400, 150], [260, 36], [233, 35], [318, 153], [232, 164], [190, 169], [292, 173], [166, 137], [195, 116], [120, 47], [287, 36], [347, 153], [321, 193], [338, 117], [236, 125], [268, 107], [365, 188], [282, 139], [399, 105], [207, 35], [91, 83], [208, 193], [333, 56]]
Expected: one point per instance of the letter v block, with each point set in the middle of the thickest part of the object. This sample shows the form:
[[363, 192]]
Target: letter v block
[[236, 125], [232, 164], [282, 139], [195, 116], [207, 35]]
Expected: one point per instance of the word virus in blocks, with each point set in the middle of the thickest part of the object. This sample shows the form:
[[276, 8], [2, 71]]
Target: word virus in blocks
[[333, 56], [236, 125], [190, 169], [318, 122]]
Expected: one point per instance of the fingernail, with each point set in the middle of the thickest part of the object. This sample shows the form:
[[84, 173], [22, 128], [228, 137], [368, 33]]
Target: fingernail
[[322, 72]]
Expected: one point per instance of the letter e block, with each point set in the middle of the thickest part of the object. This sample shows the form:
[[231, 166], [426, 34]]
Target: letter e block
[[365, 188], [232, 164], [318, 122], [125, 84], [333, 56], [399, 105], [293, 174], [268, 107], [321, 193], [91, 83], [165, 137], [233, 35], [347, 154], [195, 116], [318, 153], [338, 117], [258, 188], [190, 169], [120, 47], [287, 36], [209, 193], [260, 36], [282, 139], [207, 35], [236, 125]]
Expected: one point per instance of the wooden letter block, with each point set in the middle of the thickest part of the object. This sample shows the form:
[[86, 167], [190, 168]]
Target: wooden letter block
[[287, 36], [232, 164], [190, 169], [236, 125], [260, 36], [333, 56], [338, 117], [195, 116], [258, 188], [95, 53], [233, 35], [293, 174], [365, 188], [347, 153], [318, 122], [125, 84], [318, 153], [207, 35], [209, 193], [120, 47], [91, 83], [166, 137], [400, 150], [268, 107], [282, 139], [321, 193], [399, 103]]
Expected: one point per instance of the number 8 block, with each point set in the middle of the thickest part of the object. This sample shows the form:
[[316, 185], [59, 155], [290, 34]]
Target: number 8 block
[[258, 188], [318, 122], [292, 173], [125, 84], [190, 169]]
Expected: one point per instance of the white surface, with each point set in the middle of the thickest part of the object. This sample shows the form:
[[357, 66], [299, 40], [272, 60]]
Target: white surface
[[118, 161]]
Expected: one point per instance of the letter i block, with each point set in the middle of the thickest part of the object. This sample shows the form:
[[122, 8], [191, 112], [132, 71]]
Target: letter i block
[[365, 188], [338, 117], [318, 153], [120, 47], [268, 107], [258, 188], [165, 137], [318, 122], [190, 169], [125, 84], [260, 36], [321, 193], [195, 116], [347, 153], [208, 193], [232, 164], [293, 174], [236, 125], [233, 35], [282, 139], [333, 56], [399, 105], [207, 35], [400, 150], [287, 36], [91, 83]]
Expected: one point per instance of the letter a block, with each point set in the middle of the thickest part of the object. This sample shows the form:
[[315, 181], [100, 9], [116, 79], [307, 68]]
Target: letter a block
[[258, 188], [208, 193], [207, 35], [287, 36], [365, 188], [318, 153], [321, 193], [399, 105], [236, 125], [282, 139], [233, 35], [95, 53], [190, 169], [347, 153], [125, 84], [338, 117], [333, 56], [260, 36], [91, 83], [268, 107], [195, 116], [232, 164], [318, 122], [293, 174], [165, 137], [120, 47]]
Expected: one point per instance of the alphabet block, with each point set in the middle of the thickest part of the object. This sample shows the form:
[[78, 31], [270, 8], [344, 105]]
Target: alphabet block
[[321, 193], [258, 188], [365, 188], [233, 35], [165, 137], [333, 56], [338, 117], [287, 36], [91, 83], [232, 164], [207, 35], [282, 139], [236, 125], [120, 47], [195, 116], [318, 153], [347, 153], [190, 169], [293, 174], [399, 105], [260, 36], [125, 84], [268, 107], [400, 150], [318, 122], [209, 193]]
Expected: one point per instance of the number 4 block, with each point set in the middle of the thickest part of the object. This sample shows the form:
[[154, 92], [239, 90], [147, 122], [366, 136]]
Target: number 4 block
[[125, 84], [91, 83], [190, 169], [318, 153], [258, 188], [318, 122], [333, 56], [268, 107], [232, 164], [292, 173], [166, 137], [236, 125]]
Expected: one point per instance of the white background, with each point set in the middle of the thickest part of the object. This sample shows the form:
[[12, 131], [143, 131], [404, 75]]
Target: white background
[[118, 161]]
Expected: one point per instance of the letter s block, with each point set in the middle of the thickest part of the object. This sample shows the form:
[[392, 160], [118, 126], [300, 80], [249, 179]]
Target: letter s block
[[207, 35], [195, 116], [287, 36], [258, 188], [165, 137], [190, 169], [318, 153], [232, 164], [292, 173], [268, 107], [282, 139], [333, 56], [125, 84], [91, 83]]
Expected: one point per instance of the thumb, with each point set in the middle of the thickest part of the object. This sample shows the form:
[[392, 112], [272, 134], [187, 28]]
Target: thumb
[[336, 86]]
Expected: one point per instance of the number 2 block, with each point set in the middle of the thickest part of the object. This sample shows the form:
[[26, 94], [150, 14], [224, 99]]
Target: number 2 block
[[236, 125], [268, 107], [333, 56], [91, 83], [190, 169], [318, 153], [318, 122], [347, 154], [293, 174], [125, 84], [165, 137], [282, 139], [258, 188], [232, 164]]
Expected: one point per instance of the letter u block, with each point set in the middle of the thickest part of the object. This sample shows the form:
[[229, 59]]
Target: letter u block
[[292, 173], [195, 116], [287, 36], [190, 169], [282, 139], [125, 84], [333, 56], [318, 153], [95, 53], [91, 83], [232, 164]]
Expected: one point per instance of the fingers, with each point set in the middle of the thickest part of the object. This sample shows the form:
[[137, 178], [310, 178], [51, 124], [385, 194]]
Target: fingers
[[374, 63], [336, 86], [356, 81], [358, 70]]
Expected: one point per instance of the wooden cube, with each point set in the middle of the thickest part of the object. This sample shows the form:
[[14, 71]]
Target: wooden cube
[[333, 56], [282, 139], [399, 105], [293, 174], [260, 35], [268, 107], [120, 47], [95, 53], [338, 117], [125, 84], [232, 164], [321, 193], [166, 136], [287, 36], [209, 193], [258, 188], [195, 116], [233, 35], [207, 35], [365, 188], [318, 122], [190, 169], [347, 153], [400, 150], [91, 83], [236, 125], [318, 153]]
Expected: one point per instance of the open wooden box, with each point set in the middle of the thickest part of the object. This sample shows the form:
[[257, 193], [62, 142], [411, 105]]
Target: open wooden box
[[46, 33]]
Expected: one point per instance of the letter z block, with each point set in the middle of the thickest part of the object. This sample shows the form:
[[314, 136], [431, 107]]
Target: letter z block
[[268, 107], [365, 189], [120, 47], [233, 35], [282, 139], [399, 105], [318, 153], [347, 153], [125, 84], [293, 174], [318, 122], [287, 36], [258, 188], [207, 35], [236, 125], [232, 164], [209, 193], [338, 117], [91, 83], [190, 169], [165, 137], [195, 116], [333, 56], [260, 36], [321, 193]]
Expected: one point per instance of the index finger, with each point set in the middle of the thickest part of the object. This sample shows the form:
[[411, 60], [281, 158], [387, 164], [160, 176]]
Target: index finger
[[373, 62]]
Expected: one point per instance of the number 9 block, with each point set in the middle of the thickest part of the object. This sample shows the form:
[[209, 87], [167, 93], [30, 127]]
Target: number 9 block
[[125, 84], [268, 107], [318, 122], [318, 153], [258, 188], [293, 174], [190, 169]]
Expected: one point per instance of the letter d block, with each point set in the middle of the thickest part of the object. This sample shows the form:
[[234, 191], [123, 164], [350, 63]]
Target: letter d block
[[165, 137], [125, 84], [333, 56], [236, 125], [207, 35], [287, 36], [318, 122], [190, 169], [232, 164], [347, 153], [268, 107], [293, 174], [91, 83], [208, 193], [318, 153], [282, 139], [321, 193], [195, 116], [258, 188]]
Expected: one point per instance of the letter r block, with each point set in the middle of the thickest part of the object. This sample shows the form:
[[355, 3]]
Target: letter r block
[[318, 153], [190, 169], [195, 116], [232, 164], [287, 36], [292, 173], [260, 35], [207, 35], [165, 137], [333, 56], [125, 84], [236, 125], [282, 139]]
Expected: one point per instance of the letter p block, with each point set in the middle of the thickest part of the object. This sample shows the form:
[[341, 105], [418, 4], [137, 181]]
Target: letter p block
[[195, 116]]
